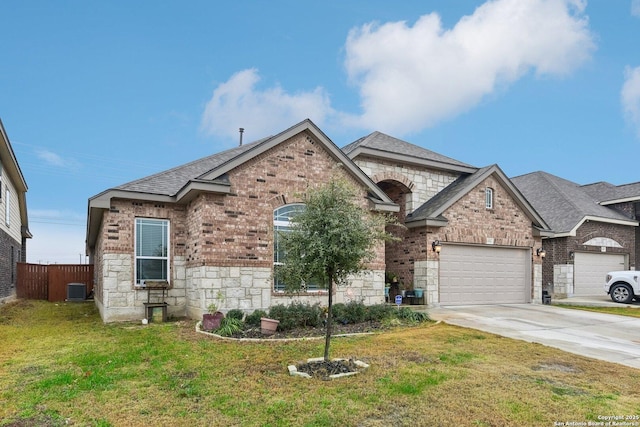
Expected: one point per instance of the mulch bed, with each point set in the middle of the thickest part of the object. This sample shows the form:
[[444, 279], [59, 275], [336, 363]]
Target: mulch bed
[[324, 369], [338, 329]]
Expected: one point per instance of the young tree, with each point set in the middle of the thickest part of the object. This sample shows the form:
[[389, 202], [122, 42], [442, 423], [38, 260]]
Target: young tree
[[332, 238]]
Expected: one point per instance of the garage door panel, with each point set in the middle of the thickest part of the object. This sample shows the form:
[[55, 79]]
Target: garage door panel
[[590, 270], [484, 275]]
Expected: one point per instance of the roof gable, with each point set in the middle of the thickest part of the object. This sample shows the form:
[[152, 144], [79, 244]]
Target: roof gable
[[431, 212], [380, 145], [210, 174]]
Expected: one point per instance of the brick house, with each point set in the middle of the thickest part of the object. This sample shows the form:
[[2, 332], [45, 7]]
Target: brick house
[[594, 229], [14, 227], [470, 238], [208, 228]]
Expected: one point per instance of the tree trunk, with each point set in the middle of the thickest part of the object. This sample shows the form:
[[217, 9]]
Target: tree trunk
[[327, 340]]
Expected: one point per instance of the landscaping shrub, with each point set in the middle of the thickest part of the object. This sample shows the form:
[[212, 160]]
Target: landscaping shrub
[[339, 313], [356, 312], [229, 326], [235, 313], [253, 319], [350, 313], [296, 315], [380, 312], [405, 313]]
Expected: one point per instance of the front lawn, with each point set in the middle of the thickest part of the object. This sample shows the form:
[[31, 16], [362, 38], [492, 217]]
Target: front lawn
[[60, 365]]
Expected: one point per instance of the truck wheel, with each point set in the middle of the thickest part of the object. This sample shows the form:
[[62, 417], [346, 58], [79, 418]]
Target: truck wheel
[[621, 293]]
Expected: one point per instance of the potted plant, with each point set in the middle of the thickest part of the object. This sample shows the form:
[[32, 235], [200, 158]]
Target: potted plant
[[268, 326], [211, 320]]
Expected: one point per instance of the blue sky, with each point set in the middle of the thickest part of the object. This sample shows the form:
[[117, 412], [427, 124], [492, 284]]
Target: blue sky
[[96, 94]]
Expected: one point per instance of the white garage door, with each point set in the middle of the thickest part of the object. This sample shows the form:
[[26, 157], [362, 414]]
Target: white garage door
[[590, 270], [484, 275]]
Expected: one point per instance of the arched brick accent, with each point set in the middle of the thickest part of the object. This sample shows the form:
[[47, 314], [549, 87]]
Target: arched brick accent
[[393, 176]]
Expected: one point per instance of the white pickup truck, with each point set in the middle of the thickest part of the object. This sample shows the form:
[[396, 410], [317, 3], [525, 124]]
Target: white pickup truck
[[623, 286]]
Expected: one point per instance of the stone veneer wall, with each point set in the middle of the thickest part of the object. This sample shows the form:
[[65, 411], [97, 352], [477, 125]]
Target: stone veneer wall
[[250, 288], [121, 300], [424, 183], [562, 280]]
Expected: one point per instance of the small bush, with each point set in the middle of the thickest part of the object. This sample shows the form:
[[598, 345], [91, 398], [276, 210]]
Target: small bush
[[339, 313], [356, 312], [350, 313], [405, 313], [235, 313], [229, 326], [379, 312], [253, 319], [296, 315]]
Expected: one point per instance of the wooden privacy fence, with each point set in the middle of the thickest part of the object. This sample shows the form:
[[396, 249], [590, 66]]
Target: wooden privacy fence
[[49, 282]]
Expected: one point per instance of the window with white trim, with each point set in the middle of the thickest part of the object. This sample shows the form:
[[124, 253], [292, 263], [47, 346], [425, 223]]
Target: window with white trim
[[488, 198], [282, 224], [7, 210], [151, 250]]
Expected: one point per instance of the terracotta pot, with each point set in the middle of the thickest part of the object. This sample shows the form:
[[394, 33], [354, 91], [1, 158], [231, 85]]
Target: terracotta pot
[[211, 322], [268, 326]]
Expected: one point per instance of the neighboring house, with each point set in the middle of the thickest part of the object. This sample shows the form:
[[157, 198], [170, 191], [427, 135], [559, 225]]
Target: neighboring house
[[14, 224], [470, 238], [208, 228], [594, 230]]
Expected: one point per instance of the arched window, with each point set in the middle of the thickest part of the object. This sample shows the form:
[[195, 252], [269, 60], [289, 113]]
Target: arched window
[[488, 198], [281, 224]]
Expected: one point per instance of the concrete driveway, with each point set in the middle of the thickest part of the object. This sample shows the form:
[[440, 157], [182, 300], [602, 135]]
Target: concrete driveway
[[596, 335]]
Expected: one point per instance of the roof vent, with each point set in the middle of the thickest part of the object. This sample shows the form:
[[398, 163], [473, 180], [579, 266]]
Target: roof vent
[[241, 132]]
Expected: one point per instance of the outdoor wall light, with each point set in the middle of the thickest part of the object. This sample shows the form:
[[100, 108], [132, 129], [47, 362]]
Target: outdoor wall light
[[436, 246], [541, 252]]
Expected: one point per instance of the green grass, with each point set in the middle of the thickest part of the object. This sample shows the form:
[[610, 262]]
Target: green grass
[[621, 311], [60, 365]]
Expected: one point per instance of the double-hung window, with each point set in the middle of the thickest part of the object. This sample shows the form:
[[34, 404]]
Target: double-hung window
[[282, 224], [152, 250]]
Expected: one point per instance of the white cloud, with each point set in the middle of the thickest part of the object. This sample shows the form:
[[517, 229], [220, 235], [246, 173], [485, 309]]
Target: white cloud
[[635, 8], [238, 103], [630, 97], [411, 77], [50, 158]]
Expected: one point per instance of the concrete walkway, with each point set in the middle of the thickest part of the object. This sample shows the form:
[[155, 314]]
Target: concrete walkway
[[596, 335]]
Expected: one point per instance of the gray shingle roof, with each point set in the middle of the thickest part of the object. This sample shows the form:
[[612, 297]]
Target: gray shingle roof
[[603, 191], [383, 143], [563, 204], [169, 182]]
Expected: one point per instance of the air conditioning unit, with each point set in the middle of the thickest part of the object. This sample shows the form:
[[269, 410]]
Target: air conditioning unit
[[76, 292]]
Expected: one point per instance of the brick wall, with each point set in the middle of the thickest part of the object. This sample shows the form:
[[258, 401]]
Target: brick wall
[[224, 243], [10, 251]]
